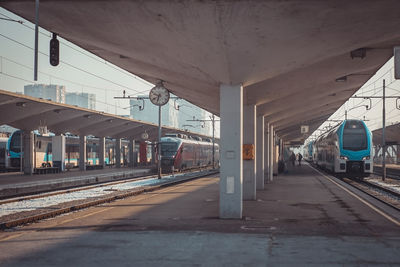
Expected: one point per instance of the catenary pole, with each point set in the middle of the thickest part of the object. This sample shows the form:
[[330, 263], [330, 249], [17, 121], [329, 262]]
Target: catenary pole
[[35, 71], [383, 134]]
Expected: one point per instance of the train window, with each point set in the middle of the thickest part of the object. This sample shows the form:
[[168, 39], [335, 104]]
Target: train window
[[49, 148], [168, 148], [15, 143], [354, 136]]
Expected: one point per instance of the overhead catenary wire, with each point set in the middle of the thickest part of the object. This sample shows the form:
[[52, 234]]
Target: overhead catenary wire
[[83, 52], [72, 66]]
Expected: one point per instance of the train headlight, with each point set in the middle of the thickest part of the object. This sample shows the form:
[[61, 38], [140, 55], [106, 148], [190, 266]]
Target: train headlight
[[366, 158], [344, 157]]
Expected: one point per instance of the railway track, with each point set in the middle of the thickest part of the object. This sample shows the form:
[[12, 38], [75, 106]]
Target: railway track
[[383, 194], [24, 217]]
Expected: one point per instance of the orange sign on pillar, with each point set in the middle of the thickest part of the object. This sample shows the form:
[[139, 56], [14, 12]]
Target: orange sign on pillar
[[248, 151]]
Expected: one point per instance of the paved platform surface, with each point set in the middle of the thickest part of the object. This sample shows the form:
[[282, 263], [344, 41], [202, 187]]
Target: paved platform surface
[[301, 219], [14, 184]]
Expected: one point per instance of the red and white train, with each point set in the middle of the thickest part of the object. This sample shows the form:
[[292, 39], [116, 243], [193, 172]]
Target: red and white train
[[181, 152]]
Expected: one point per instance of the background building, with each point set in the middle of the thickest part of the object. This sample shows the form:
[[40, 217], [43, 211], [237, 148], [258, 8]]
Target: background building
[[51, 92], [83, 100]]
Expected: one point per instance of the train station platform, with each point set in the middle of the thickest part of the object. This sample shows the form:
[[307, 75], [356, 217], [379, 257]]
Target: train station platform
[[17, 183], [302, 218]]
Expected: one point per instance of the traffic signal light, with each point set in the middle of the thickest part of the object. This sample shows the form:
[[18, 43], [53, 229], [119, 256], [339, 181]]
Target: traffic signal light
[[54, 50]]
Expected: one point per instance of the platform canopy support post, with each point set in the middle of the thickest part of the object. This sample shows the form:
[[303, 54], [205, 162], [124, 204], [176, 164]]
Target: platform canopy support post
[[118, 152], [131, 153], [28, 146], [260, 153], [266, 153], [102, 152], [82, 152], [271, 153], [249, 140], [231, 182], [58, 152]]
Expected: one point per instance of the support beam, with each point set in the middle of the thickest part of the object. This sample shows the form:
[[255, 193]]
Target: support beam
[[82, 152], [118, 152], [28, 147], [102, 152], [231, 188], [260, 153], [249, 166]]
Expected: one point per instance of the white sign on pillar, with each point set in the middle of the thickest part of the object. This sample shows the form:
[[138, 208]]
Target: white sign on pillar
[[396, 53]]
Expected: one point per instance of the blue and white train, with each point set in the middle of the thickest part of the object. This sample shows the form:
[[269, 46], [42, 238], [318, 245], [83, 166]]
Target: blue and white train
[[308, 151], [43, 151], [345, 149]]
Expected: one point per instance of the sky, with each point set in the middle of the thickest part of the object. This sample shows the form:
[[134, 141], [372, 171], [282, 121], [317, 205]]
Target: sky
[[81, 71], [78, 71]]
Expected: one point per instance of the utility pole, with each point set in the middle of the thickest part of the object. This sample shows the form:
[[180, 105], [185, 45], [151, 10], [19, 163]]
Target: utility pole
[[213, 140]]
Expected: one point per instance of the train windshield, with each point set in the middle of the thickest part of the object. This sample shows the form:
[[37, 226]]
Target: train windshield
[[354, 136], [168, 149], [15, 142]]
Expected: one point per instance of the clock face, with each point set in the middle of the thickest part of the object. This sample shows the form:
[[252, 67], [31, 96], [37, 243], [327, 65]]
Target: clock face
[[159, 96]]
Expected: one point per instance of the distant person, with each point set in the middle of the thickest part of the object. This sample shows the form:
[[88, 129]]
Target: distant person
[[299, 158], [292, 158]]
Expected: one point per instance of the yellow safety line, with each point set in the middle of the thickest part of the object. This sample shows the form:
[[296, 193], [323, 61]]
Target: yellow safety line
[[99, 211], [387, 216], [83, 216], [11, 237]]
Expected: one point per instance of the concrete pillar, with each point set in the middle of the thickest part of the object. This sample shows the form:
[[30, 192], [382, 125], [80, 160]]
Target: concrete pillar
[[102, 152], [260, 153], [118, 152], [276, 154], [58, 151], [82, 152], [271, 153], [266, 153], [28, 146], [231, 190], [132, 153], [249, 166]]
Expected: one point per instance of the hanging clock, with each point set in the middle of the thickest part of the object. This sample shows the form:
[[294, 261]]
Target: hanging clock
[[159, 95]]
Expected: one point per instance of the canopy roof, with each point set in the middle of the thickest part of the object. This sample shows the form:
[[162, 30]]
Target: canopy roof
[[287, 54], [28, 113]]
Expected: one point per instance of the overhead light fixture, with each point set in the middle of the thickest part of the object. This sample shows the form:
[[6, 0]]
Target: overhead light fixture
[[341, 79], [358, 53], [20, 104]]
